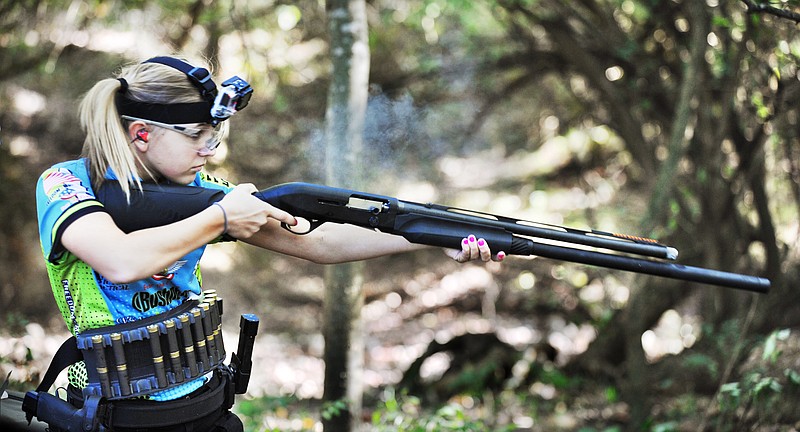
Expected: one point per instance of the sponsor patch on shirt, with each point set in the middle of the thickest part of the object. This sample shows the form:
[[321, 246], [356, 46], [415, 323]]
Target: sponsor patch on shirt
[[61, 184]]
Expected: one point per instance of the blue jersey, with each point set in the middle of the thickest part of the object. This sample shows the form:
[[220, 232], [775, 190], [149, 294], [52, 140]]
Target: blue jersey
[[86, 299]]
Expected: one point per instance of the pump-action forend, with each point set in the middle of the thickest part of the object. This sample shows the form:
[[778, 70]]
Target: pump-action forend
[[438, 225], [430, 224]]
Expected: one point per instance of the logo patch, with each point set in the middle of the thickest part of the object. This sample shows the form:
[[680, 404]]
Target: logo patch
[[61, 184], [144, 301], [170, 271]]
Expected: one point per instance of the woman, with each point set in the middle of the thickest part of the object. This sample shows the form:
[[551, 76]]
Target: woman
[[160, 121]]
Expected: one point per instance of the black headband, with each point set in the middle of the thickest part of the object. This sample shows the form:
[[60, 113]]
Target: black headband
[[178, 113], [175, 113]]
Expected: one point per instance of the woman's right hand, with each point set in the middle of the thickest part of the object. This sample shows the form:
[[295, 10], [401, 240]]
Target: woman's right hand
[[247, 214]]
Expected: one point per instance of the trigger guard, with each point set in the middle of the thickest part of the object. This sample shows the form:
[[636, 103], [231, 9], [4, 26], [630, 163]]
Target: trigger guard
[[312, 225], [288, 227]]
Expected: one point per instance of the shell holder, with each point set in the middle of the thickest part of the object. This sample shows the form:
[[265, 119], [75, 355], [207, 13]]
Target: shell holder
[[155, 354]]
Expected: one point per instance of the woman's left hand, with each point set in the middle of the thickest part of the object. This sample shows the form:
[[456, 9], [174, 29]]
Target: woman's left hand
[[474, 249]]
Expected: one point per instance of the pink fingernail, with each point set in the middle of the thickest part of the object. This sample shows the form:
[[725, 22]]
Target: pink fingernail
[[472, 239], [465, 242], [501, 256], [481, 242]]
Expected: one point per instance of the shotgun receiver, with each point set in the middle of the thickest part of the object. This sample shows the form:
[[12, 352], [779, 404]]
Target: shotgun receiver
[[437, 225]]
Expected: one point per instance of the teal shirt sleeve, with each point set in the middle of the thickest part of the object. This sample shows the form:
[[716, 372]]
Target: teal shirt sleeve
[[63, 194], [208, 181]]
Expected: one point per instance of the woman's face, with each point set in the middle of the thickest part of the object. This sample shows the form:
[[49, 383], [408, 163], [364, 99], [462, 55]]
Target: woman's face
[[178, 156]]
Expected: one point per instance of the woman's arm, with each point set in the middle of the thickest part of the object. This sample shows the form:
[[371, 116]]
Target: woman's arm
[[333, 243], [121, 257]]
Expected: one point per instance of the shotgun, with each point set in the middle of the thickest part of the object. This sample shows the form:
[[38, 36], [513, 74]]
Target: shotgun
[[438, 225], [429, 224]]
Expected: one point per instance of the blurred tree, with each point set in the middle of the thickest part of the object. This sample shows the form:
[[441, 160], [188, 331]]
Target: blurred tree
[[344, 294]]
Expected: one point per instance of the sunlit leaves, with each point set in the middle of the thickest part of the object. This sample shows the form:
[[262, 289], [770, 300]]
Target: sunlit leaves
[[771, 350], [288, 16]]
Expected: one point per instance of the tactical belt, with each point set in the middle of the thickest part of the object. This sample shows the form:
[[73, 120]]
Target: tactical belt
[[125, 362], [215, 397], [156, 353]]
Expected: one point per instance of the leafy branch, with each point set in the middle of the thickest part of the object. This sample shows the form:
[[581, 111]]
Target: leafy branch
[[761, 7]]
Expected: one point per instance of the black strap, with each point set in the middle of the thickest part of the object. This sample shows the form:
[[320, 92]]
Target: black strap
[[172, 113], [66, 355], [144, 414], [200, 77]]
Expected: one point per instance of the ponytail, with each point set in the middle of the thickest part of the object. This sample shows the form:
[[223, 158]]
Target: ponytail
[[106, 144]]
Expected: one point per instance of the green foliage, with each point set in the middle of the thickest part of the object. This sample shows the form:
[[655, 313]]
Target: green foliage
[[702, 361], [257, 407], [333, 409], [254, 411], [771, 350], [14, 322], [612, 395], [558, 379], [755, 397], [608, 429], [403, 414], [665, 427], [756, 392], [793, 376], [762, 109]]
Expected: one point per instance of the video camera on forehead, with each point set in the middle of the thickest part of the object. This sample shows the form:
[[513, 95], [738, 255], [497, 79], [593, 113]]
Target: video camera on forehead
[[232, 96]]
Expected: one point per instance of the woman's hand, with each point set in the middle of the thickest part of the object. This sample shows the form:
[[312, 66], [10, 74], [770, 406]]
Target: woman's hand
[[473, 249], [245, 214]]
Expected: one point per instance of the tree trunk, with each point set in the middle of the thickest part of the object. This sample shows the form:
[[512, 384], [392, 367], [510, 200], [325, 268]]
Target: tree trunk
[[347, 101], [636, 391]]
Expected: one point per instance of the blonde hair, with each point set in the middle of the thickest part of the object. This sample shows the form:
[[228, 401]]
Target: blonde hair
[[107, 144]]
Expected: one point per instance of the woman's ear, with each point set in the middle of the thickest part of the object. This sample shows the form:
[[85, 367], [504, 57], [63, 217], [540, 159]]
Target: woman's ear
[[139, 135]]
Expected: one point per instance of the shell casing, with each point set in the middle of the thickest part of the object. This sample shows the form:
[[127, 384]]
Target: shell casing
[[215, 308], [200, 339], [217, 300], [219, 306], [209, 293], [158, 357], [220, 341], [102, 365], [174, 351], [208, 330], [121, 364], [188, 345]]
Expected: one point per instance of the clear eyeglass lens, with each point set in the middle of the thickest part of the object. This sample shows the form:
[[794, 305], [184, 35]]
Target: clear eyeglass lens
[[211, 144]]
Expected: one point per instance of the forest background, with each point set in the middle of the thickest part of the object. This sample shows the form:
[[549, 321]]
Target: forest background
[[668, 119]]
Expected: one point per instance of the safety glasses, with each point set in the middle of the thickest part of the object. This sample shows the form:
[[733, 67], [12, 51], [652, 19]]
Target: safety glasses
[[211, 144]]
